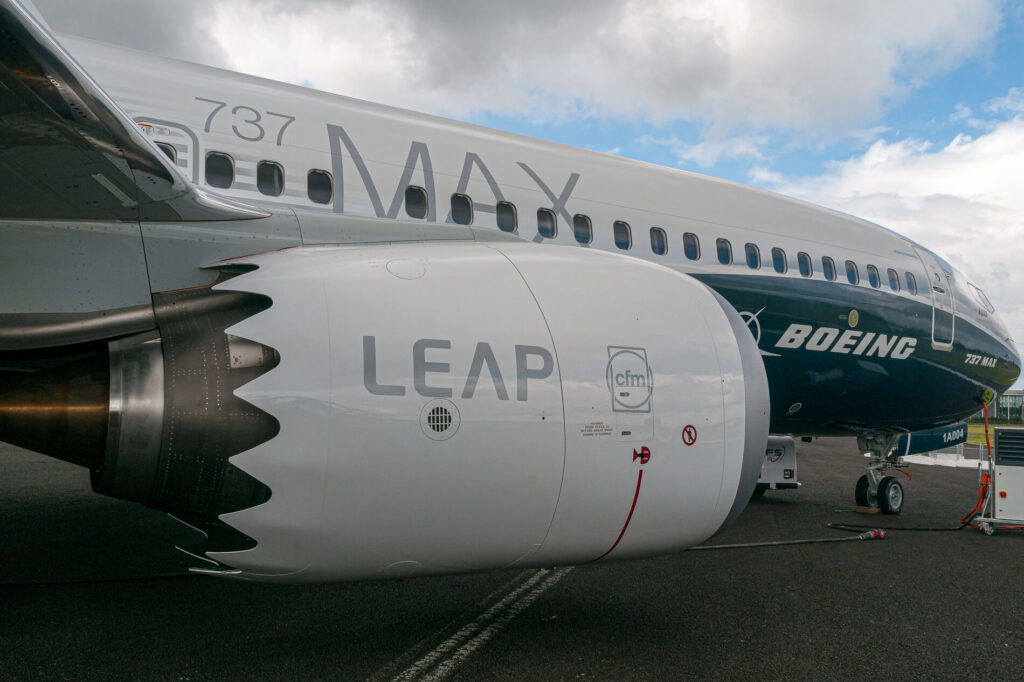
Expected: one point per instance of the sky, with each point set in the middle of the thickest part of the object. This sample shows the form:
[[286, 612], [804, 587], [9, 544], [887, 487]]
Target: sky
[[909, 113]]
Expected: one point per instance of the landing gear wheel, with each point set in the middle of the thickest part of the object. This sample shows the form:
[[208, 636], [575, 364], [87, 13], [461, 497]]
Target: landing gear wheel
[[759, 491], [890, 496], [862, 493]]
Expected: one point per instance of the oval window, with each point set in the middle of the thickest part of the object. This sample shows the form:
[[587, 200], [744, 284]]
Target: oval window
[[462, 209], [691, 246], [581, 229], [724, 251], [506, 216], [852, 273], [270, 178], [319, 187], [779, 261], [805, 264], [416, 201], [220, 170], [659, 242], [547, 224], [623, 238], [753, 256]]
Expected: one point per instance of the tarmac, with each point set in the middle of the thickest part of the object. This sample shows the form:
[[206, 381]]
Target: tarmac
[[92, 588]]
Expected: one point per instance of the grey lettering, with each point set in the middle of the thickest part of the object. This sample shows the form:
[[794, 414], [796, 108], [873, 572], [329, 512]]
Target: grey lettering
[[484, 355], [336, 135], [418, 152], [370, 370], [420, 367], [848, 338], [904, 349], [794, 336], [863, 345], [822, 339], [882, 345], [523, 371], [557, 203], [631, 380], [467, 170]]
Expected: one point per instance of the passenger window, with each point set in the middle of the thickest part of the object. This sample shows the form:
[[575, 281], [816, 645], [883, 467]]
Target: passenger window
[[416, 201], [894, 279], [724, 251], [581, 229], [805, 264], [911, 283], [691, 246], [873, 277], [852, 273], [269, 178], [547, 223], [506, 214], [828, 268], [220, 170], [462, 209], [169, 151], [623, 237], [779, 261], [320, 187], [659, 242], [753, 256]]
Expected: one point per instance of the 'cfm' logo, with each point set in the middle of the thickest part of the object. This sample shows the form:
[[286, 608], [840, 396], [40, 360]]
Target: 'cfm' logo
[[630, 379]]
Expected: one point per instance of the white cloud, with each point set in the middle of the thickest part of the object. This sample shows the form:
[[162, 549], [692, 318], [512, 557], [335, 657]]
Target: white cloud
[[813, 66], [1012, 102], [710, 151], [963, 200], [961, 112]]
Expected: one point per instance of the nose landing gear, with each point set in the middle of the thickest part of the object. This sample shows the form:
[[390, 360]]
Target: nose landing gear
[[874, 489]]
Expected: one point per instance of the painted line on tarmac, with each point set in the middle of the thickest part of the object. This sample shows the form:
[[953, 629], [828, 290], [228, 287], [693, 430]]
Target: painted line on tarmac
[[447, 656], [414, 653]]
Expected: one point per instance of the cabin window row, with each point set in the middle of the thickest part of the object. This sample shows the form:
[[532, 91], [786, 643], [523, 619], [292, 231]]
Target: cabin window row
[[805, 264], [270, 180], [220, 173]]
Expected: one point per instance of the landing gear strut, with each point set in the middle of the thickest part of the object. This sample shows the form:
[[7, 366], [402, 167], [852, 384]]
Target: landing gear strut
[[874, 489]]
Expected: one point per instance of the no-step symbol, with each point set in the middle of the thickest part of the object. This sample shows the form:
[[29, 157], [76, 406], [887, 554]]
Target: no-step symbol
[[644, 455], [689, 435]]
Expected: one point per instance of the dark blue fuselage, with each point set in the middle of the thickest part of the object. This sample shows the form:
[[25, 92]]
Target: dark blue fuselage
[[847, 359]]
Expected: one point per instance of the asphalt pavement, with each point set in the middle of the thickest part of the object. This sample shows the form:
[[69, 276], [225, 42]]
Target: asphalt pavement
[[94, 589]]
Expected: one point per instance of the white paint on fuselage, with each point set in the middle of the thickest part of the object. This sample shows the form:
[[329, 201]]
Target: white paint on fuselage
[[608, 188]]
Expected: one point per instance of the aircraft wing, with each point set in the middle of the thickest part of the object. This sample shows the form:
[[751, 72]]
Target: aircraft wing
[[68, 152]]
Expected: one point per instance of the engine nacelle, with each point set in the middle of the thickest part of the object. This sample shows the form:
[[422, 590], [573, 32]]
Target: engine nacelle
[[463, 407], [407, 409]]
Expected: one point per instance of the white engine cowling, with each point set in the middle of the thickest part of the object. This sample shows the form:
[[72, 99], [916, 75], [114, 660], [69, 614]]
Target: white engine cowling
[[449, 407]]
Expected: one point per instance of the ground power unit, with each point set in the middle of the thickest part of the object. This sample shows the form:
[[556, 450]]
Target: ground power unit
[[1008, 480], [778, 470]]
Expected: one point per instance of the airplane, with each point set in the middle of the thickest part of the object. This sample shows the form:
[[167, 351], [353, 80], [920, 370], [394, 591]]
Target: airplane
[[349, 341]]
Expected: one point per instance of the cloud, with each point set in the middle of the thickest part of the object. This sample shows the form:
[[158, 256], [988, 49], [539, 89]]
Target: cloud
[[710, 151], [1012, 102], [962, 200], [174, 29], [816, 67]]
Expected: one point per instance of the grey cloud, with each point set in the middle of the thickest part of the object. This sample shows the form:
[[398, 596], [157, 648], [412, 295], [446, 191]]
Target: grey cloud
[[815, 67], [172, 29]]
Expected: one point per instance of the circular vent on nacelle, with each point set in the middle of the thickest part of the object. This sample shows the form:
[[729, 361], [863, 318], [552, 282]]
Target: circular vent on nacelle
[[439, 419]]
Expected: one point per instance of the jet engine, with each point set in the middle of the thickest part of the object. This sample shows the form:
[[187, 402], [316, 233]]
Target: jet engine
[[327, 413]]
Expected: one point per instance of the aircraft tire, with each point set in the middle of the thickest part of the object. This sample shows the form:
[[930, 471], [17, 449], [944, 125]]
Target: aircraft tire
[[890, 496], [862, 492]]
